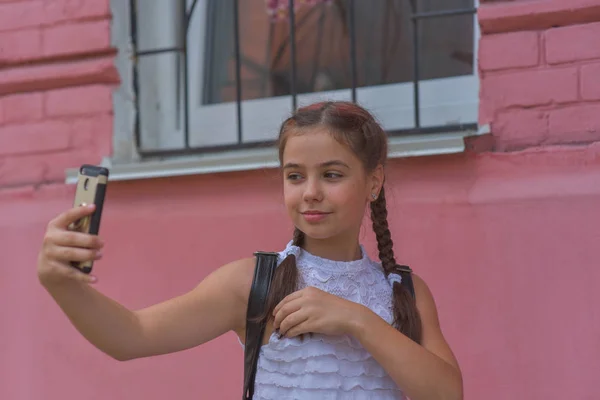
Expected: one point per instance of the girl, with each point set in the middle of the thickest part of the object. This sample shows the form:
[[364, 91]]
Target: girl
[[340, 326]]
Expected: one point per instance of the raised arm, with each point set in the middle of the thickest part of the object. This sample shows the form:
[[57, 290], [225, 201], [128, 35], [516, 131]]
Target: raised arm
[[216, 306]]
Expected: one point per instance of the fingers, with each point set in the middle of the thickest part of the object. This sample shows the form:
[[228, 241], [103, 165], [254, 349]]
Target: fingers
[[61, 247], [285, 311], [68, 254], [65, 246], [76, 274], [76, 239], [300, 329], [292, 325], [55, 272], [287, 299], [65, 219]]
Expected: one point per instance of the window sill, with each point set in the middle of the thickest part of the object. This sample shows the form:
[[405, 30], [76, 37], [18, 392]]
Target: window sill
[[247, 160]]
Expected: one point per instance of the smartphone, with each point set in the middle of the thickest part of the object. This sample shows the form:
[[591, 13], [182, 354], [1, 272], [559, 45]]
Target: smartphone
[[91, 188]]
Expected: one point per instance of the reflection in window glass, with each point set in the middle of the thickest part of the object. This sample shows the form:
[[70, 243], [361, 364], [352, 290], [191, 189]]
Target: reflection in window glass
[[384, 46]]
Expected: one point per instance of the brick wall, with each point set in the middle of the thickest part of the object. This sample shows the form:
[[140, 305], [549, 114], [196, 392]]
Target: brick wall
[[539, 67], [540, 72], [56, 80]]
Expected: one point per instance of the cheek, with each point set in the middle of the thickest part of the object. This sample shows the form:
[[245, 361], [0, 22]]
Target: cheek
[[350, 197], [290, 196]]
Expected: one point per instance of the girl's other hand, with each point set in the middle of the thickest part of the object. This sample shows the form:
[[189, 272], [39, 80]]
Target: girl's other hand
[[312, 310]]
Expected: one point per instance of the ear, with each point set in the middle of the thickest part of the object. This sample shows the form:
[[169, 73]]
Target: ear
[[375, 183]]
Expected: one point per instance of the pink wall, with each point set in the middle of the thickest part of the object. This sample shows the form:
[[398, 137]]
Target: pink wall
[[506, 237], [540, 84]]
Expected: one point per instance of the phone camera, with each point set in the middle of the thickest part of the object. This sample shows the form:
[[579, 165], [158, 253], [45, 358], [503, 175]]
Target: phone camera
[[85, 184]]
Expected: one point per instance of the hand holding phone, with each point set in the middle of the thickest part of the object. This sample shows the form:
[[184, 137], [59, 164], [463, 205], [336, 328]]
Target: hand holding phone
[[91, 189], [71, 243]]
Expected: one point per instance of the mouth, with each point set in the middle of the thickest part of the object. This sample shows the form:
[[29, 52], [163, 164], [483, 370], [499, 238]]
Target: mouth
[[314, 217]]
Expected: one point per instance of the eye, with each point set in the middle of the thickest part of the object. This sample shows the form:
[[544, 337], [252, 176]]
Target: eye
[[333, 175], [293, 176]]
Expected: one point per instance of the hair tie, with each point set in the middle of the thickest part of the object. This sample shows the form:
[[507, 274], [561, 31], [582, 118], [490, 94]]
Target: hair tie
[[394, 277]]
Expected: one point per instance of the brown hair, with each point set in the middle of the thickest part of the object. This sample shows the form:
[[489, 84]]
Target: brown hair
[[355, 127]]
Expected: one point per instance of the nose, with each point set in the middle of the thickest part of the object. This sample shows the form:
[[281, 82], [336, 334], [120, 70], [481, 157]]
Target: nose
[[312, 191]]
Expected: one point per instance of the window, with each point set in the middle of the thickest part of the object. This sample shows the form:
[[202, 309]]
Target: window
[[190, 71]]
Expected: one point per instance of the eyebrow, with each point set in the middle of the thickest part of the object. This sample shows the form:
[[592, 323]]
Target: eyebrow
[[331, 163]]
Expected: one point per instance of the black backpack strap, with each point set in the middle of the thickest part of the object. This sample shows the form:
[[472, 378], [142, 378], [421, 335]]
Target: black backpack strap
[[257, 300], [407, 280]]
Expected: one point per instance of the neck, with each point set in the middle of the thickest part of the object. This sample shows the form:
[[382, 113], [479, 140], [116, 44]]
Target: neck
[[335, 249]]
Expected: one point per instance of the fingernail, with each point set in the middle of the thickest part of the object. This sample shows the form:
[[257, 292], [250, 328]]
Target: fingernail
[[93, 279], [90, 206], [99, 254]]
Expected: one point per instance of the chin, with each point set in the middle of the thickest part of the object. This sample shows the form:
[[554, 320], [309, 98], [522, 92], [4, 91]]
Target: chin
[[317, 232], [318, 235]]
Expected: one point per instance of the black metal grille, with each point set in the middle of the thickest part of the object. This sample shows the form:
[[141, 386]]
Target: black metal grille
[[416, 17]]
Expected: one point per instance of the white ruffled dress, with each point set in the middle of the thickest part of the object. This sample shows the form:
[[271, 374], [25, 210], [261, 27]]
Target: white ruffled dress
[[326, 367]]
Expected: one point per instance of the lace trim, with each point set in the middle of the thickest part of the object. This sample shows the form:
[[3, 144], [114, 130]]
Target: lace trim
[[325, 381], [289, 249], [323, 264], [328, 364], [320, 362], [275, 393], [292, 349]]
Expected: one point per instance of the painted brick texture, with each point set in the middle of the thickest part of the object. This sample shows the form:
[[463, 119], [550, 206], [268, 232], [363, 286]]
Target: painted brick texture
[[15, 15], [56, 81], [573, 43], [539, 66]]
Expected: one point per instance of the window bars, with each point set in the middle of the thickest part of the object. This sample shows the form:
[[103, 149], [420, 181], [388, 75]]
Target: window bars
[[187, 149]]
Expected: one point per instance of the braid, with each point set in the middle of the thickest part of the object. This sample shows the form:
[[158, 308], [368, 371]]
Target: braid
[[406, 315], [298, 238], [385, 245], [285, 279]]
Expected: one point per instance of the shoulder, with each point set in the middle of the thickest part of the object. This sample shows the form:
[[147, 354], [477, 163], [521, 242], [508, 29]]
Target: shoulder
[[226, 290], [421, 286], [424, 296], [427, 309], [239, 274]]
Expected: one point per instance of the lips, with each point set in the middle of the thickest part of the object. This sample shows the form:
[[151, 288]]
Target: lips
[[314, 217]]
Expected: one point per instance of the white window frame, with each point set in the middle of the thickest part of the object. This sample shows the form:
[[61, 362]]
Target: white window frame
[[447, 101]]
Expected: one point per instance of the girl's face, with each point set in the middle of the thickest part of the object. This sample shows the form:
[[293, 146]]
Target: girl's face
[[325, 186]]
